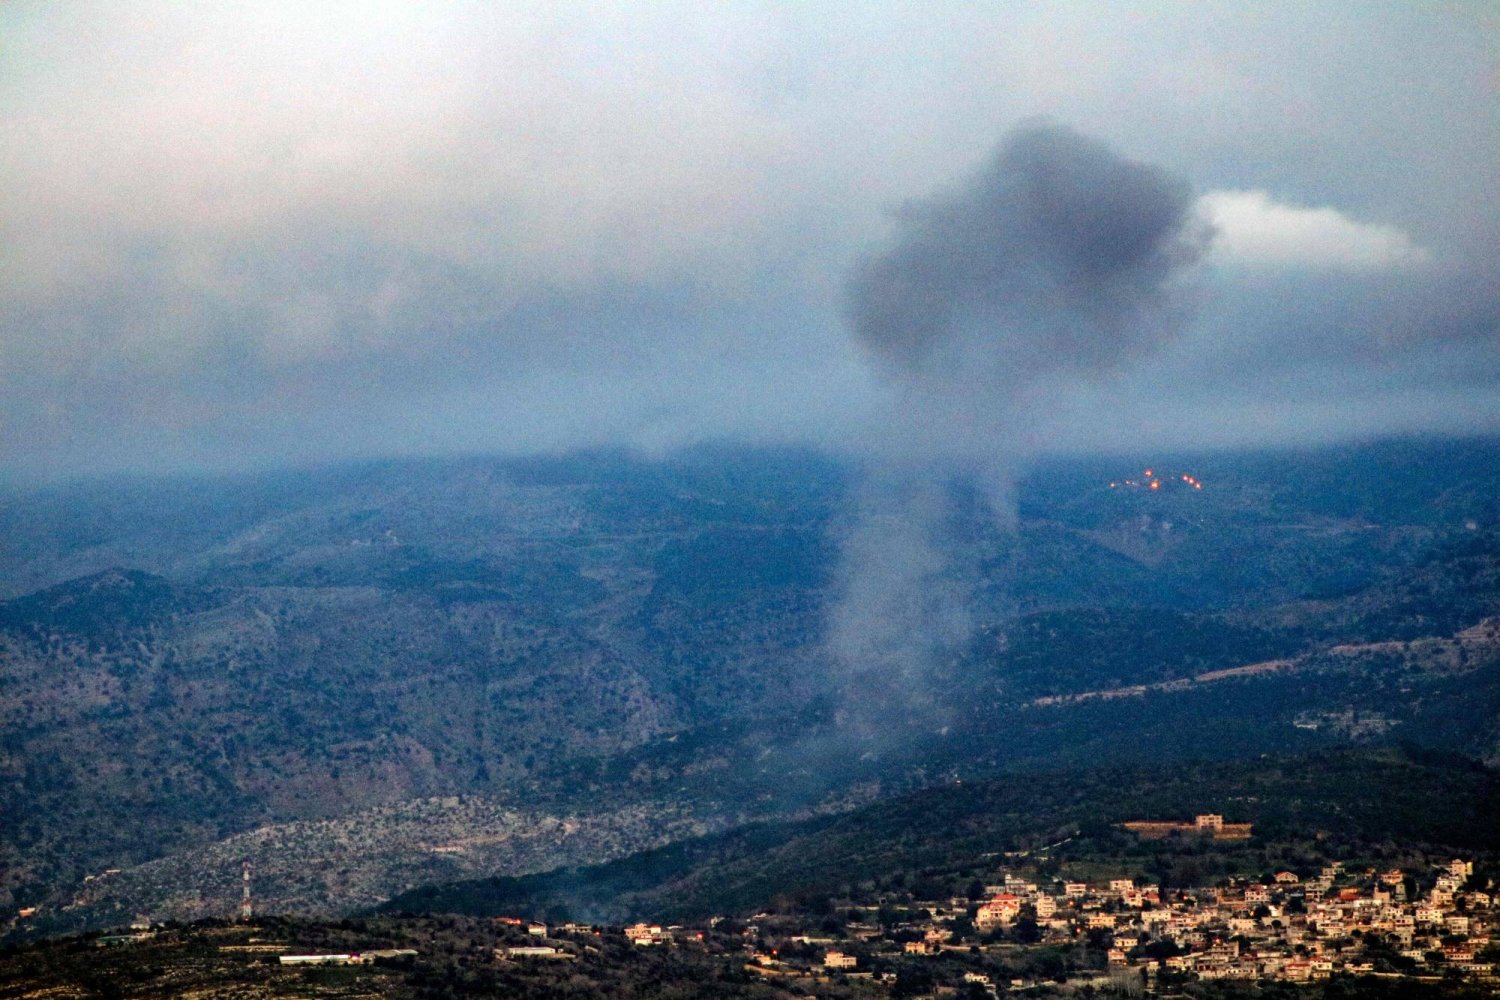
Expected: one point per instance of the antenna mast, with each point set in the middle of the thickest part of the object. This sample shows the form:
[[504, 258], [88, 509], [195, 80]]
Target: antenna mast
[[245, 908]]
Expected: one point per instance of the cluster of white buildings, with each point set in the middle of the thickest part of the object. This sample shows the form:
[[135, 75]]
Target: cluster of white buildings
[[1335, 922], [1283, 928]]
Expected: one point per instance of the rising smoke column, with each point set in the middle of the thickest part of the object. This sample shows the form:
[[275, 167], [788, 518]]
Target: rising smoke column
[[1058, 261]]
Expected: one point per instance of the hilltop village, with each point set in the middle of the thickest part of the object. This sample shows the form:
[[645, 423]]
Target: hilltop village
[[1023, 935], [1286, 928], [1423, 930]]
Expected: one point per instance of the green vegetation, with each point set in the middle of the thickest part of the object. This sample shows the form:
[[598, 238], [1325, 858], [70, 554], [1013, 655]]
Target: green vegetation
[[455, 959], [1418, 799], [1083, 649]]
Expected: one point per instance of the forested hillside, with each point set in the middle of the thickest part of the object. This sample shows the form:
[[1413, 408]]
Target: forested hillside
[[951, 834]]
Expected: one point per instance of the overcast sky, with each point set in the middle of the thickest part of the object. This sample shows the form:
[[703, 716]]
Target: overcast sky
[[251, 234]]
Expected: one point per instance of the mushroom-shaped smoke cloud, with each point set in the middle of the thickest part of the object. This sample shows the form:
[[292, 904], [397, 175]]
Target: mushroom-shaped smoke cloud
[[1058, 257], [1059, 261]]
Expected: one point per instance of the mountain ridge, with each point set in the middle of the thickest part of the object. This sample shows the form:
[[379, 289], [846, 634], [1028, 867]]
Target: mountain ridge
[[585, 637]]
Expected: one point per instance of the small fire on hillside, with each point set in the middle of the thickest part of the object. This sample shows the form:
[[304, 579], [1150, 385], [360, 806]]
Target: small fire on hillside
[[1151, 481]]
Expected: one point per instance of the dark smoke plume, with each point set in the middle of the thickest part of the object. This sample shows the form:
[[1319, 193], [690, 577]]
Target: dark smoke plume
[[1058, 262], [1058, 257]]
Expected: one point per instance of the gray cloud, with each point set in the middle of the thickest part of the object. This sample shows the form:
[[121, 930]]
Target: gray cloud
[[233, 234]]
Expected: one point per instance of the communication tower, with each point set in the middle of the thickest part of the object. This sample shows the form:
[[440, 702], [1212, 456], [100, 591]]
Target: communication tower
[[245, 908]]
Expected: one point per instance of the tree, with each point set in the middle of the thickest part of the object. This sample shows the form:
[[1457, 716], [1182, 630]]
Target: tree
[[911, 981]]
